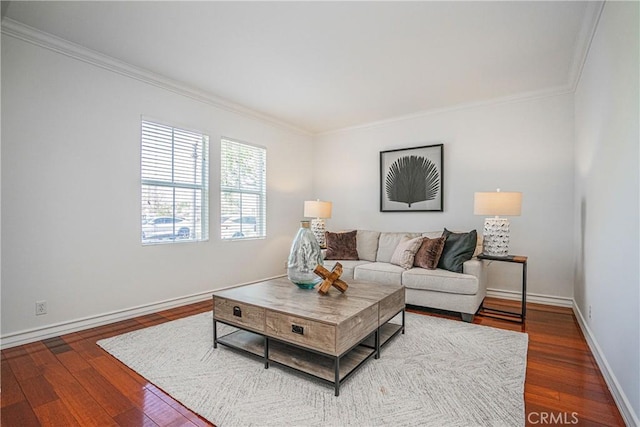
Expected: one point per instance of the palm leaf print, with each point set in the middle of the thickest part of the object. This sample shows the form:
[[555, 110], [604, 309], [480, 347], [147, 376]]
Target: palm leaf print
[[412, 179]]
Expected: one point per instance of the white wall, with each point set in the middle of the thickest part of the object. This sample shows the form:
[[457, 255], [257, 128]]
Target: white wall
[[520, 146], [71, 192], [607, 194]]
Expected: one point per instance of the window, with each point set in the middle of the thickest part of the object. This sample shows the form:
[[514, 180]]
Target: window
[[243, 191], [175, 184]]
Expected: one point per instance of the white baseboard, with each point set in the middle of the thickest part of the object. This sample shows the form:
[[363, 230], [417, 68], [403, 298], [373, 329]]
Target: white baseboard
[[49, 331], [626, 410], [536, 298]]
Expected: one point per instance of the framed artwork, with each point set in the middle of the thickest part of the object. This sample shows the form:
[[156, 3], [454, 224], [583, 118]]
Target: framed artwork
[[411, 179]]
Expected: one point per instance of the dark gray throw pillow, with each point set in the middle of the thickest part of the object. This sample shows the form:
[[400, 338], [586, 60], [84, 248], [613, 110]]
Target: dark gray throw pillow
[[458, 248]]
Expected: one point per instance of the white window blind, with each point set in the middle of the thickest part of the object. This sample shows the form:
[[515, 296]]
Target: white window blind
[[174, 178], [243, 191]]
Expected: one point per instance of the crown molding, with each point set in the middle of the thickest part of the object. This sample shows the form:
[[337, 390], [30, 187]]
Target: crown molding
[[511, 99], [584, 40], [36, 37], [4, 7], [56, 44], [583, 44]]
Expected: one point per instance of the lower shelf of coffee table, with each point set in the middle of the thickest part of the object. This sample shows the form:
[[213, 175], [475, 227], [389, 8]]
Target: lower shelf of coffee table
[[309, 362], [387, 331]]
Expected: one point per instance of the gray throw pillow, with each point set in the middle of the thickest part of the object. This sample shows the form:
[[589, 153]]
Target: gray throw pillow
[[458, 248]]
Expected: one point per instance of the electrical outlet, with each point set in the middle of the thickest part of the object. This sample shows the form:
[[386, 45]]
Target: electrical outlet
[[589, 311], [41, 308]]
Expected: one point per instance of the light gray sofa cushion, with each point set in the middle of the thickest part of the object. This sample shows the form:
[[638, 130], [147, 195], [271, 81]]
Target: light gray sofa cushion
[[367, 244], [379, 272], [432, 234], [440, 280], [478, 250], [347, 267], [388, 243]]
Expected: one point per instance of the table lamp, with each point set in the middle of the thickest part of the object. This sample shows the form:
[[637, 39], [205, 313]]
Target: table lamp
[[318, 210], [496, 229]]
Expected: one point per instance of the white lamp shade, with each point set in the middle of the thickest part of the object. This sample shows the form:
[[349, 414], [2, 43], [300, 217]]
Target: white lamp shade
[[498, 203], [317, 209]]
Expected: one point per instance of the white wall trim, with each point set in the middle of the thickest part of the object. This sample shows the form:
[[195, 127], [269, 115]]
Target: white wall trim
[[49, 331], [583, 44], [626, 410], [36, 334], [531, 297], [521, 97], [585, 38], [56, 44], [45, 40]]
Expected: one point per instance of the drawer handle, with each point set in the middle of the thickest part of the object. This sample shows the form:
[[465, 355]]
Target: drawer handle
[[297, 329], [237, 312]]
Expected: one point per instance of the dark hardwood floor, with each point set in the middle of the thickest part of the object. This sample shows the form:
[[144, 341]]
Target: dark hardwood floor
[[70, 381]]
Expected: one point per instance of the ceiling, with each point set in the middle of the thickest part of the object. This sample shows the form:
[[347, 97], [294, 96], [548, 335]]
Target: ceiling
[[322, 66]]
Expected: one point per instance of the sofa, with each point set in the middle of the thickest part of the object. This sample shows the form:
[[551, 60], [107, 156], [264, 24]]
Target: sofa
[[438, 288]]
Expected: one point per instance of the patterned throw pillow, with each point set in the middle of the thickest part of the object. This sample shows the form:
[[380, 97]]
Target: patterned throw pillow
[[406, 251], [429, 253], [341, 245]]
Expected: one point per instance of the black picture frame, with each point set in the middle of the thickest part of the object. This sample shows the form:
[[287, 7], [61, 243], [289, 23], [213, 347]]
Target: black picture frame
[[411, 179]]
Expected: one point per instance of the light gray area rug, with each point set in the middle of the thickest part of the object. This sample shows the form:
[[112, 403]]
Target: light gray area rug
[[440, 373]]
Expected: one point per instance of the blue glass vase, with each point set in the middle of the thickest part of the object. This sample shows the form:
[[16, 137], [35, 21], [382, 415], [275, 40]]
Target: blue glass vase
[[305, 255]]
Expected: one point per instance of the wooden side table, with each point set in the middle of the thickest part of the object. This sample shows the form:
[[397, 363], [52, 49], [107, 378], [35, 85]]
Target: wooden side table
[[505, 314]]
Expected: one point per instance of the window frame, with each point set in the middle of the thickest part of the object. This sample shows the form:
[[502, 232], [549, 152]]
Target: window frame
[[203, 187], [261, 216]]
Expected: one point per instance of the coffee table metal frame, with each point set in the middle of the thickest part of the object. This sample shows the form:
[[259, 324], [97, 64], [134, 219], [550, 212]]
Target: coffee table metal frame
[[375, 347], [374, 341]]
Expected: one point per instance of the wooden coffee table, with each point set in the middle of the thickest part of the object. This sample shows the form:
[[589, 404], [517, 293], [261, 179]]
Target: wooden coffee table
[[326, 336]]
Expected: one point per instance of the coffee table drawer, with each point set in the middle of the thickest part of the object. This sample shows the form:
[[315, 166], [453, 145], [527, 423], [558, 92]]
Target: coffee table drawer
[[357, 328], [391, 305], [304, 332], [240, 314]]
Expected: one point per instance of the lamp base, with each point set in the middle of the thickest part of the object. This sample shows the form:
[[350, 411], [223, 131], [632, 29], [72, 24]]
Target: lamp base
[[318, 228], [496, 237]]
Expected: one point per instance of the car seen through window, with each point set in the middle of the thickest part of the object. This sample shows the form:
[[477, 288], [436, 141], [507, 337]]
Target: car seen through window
[[166, 227], [237, 227]]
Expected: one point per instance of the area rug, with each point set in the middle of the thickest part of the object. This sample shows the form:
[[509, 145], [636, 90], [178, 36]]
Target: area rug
[[440, 373]]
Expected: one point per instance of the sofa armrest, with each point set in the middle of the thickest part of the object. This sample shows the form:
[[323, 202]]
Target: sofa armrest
[[475, 267]]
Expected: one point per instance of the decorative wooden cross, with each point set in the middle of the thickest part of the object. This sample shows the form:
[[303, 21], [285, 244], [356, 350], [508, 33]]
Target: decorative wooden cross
[[331, 278]]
